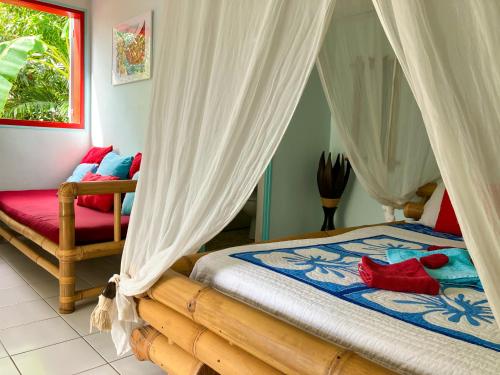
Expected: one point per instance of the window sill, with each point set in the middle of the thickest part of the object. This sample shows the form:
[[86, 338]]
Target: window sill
[[40, 124]]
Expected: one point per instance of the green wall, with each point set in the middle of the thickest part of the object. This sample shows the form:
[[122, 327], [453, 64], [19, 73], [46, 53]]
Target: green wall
[[356, 206], [295, 206]]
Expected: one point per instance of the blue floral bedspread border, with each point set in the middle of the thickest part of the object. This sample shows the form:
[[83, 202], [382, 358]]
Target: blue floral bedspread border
[[420, 228], [332, 268]]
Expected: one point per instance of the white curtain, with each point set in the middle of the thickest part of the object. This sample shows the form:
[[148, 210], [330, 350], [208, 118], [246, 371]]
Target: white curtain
[[450, 53], [228, 76], [373, 110]]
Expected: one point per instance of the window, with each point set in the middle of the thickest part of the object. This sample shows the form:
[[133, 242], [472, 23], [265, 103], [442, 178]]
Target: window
[[41, 65]]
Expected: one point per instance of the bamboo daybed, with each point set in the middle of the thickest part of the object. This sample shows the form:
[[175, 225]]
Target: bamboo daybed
[[194, 329], [67, 252]]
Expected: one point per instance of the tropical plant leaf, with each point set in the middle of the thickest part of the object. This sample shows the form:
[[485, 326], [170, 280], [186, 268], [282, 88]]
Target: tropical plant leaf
[[15, 54], [13, 57], [5, 87], [33, 107]]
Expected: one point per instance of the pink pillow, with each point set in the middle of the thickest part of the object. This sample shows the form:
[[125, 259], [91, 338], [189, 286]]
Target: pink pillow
[[103, 202], [96, 154], [447, 220], [136, 165]]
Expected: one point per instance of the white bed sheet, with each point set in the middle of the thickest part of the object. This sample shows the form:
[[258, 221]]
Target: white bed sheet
[[399, 345]]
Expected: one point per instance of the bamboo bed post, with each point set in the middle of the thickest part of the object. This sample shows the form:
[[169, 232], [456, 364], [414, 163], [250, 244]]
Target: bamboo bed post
[[415, 210], [67, 248], [426, 191]]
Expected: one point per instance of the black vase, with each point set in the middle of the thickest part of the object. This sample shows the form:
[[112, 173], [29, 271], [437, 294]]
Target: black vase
[[328, 221], [332, 180]]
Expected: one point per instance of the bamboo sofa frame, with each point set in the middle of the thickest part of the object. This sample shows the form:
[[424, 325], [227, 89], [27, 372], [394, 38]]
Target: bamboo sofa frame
[[66, 252], [194, 329]]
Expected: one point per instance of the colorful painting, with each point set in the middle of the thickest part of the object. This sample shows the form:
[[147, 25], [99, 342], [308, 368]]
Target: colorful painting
[[132, 50]]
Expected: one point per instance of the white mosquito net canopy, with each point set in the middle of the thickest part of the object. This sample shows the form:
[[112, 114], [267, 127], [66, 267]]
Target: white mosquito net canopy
[[373, 110], [229, 76]]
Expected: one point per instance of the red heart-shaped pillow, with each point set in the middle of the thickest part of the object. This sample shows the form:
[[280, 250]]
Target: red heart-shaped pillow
[[434, 260]]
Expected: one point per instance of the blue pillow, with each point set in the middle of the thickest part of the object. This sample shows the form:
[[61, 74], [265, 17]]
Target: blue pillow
[[81, 170], [129, 199], [115, 165]]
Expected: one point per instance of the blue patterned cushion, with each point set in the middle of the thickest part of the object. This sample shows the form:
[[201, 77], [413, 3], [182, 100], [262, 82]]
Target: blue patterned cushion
[[81, 170], [115, 165]]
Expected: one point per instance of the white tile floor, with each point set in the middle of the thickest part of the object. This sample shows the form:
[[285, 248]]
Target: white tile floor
[[36, 340]]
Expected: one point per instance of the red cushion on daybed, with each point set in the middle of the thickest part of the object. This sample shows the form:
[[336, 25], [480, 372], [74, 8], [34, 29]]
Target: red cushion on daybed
[[39, 210], [100, 202], [96, 154], [136, 165]]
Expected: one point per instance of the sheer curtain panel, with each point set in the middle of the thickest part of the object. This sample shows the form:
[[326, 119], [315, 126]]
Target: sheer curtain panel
[[450, 53], [228, 76], [374, 112]]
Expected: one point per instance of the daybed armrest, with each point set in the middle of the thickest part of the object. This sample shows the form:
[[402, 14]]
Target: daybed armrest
[[67, 193], [74, 189]]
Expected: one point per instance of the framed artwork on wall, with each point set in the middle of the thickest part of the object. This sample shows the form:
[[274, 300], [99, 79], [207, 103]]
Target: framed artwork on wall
[[132, 49]]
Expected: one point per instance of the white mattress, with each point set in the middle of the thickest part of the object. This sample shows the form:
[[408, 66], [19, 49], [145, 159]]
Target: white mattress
[[432, 338]]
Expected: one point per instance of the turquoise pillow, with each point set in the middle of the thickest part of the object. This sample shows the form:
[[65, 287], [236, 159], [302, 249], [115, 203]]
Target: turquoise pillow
[[458, 270], [81, 170], [129, 199], [115, 165]]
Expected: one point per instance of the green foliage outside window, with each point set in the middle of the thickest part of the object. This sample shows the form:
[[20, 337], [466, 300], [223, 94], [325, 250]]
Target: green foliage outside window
[[34, 64]]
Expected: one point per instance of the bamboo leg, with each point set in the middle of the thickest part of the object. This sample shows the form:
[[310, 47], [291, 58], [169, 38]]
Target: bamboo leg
[[67, 251], [66, 287]]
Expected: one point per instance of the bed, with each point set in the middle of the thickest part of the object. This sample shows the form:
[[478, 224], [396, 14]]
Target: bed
[[70, 233], [315, 317], [314, 284]]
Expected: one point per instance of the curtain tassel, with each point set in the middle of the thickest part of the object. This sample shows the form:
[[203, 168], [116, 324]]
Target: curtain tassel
[[101, 317]]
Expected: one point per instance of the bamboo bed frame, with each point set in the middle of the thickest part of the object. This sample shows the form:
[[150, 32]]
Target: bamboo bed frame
[[66, 252], [194, 329]]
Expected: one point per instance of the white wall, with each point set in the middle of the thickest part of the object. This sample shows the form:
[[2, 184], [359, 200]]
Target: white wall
[[33, 158], [119, 113]]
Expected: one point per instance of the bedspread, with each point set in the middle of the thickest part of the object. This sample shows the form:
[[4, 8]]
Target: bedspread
[[314, 284]]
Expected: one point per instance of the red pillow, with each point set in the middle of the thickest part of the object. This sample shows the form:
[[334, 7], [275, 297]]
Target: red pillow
[[96, 154], [136, 165], [447, 220], [103, 202]]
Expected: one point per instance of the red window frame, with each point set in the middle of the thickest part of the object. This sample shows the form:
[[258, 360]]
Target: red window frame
[[77, 89]]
